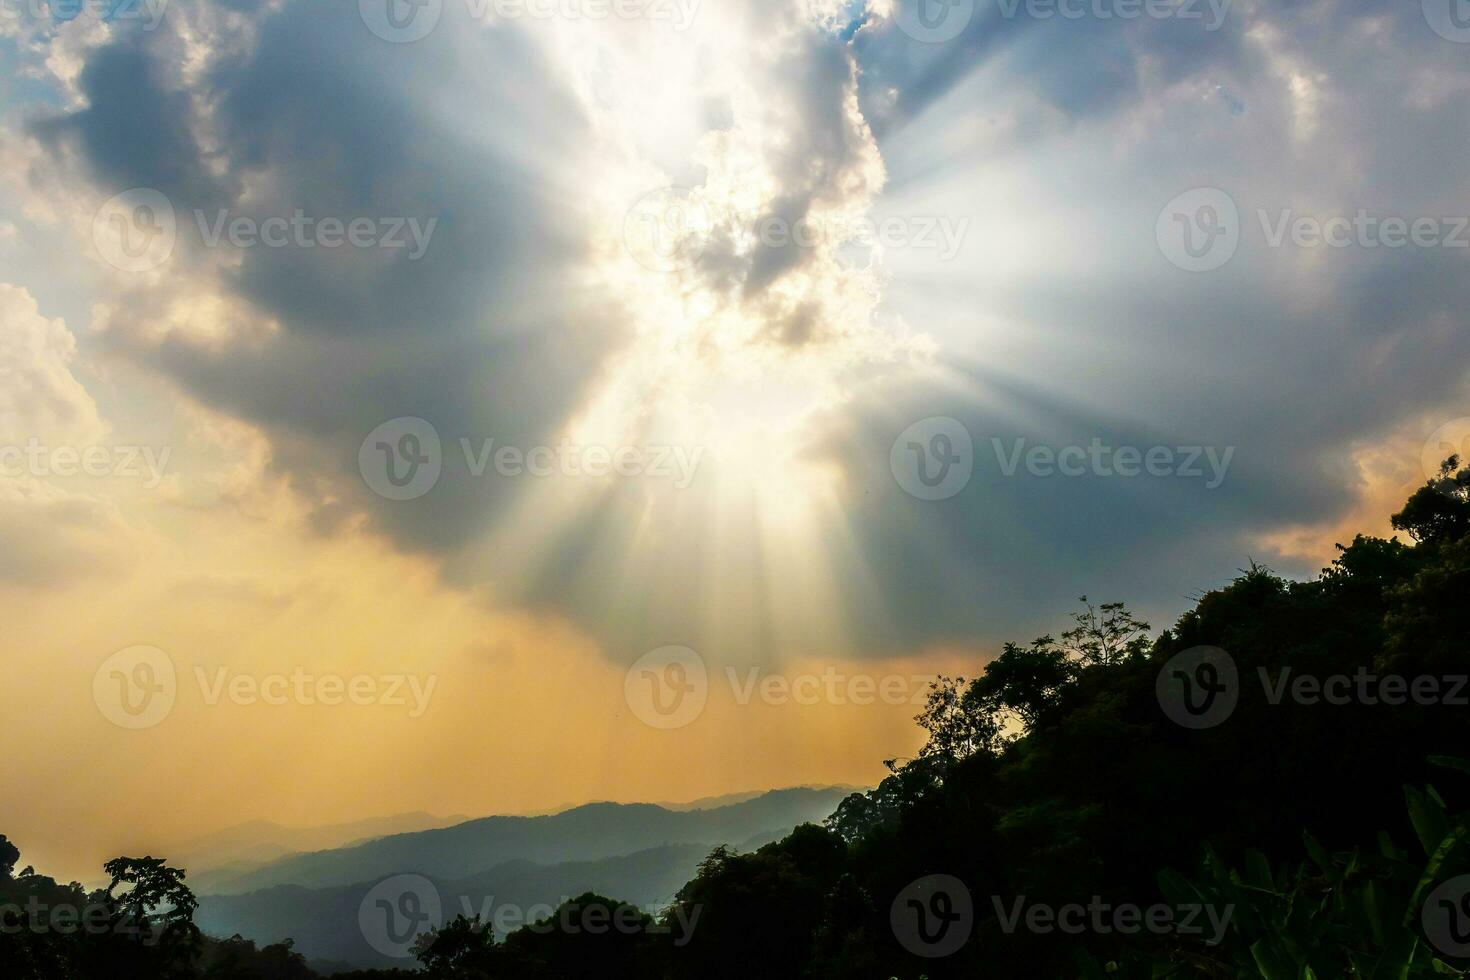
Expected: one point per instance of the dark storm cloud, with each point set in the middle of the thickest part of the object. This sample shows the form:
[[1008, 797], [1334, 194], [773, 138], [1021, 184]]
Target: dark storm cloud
[[1290, 356], [1289, 402], [134, 131], [1088, 66], [1288, 359], [1289, 387], [481, 335]]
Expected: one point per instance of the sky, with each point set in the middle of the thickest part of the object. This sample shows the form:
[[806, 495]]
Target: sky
[[481, 406]]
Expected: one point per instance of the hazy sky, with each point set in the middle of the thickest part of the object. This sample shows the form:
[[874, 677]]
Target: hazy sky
[[387, 385]]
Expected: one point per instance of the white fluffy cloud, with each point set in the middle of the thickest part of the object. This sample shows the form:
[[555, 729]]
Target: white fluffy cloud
[[48, 533], [39, 396]]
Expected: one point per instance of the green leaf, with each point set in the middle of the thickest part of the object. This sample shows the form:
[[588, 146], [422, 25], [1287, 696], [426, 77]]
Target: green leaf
[[1396, 960], [1428, 817], [1318, 853], [1450, 842], [1271, 963], [1258, 870], [1450, 762]]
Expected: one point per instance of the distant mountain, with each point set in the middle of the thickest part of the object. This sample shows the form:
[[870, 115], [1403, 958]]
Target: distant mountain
[[640, 853], [713, 802], [260, 841], [701, 803], [584, 833], [325, 924]]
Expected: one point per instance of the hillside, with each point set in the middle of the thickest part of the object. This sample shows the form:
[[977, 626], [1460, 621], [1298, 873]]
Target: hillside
[[584, 833], [250, 845], [324, 922]]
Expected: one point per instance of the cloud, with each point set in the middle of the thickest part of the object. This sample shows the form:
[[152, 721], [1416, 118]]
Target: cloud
[[489, 330], [48, 533], [1063, 321], [498, 331], [39, 396], [50, 536], [244, 589], [1058, 322]]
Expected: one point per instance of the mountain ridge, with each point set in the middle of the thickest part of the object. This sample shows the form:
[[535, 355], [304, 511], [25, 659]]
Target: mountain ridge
[[587, 832], [643, 852]]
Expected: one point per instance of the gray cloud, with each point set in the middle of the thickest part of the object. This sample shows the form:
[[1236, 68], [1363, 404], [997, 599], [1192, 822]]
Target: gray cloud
[[1290, 357], [482, 335]]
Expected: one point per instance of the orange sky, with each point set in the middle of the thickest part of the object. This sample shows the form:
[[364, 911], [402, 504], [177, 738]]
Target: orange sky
[[521, 714]]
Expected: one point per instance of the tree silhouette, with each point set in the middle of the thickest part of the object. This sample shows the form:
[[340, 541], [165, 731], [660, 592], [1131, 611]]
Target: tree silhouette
[[1437, 511], [9, 855]]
